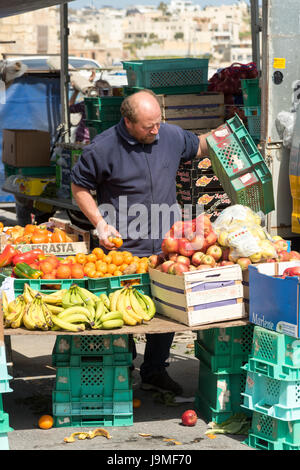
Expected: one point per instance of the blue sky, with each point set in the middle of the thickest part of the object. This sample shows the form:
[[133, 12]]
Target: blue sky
[[126, 3]]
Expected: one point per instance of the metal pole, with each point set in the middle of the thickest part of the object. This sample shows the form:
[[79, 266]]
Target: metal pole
[[255, 30], [64, 76]]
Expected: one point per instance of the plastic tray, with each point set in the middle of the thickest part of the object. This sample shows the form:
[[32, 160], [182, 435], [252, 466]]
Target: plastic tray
[[240, 167], [231, 364], [105, 108], [268, 433], [251, 92], [275, 355], [254, 121], [277, 398], [4, 444], [166, 72], [76, 360]]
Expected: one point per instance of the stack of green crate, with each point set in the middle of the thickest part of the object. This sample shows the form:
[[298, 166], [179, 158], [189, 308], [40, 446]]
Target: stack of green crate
[[102, 112], [252, 102], [4, 388], [222, 352], [272, 391], [93, 381]]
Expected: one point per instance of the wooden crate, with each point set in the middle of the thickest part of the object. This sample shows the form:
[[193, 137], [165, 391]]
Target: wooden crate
[[80, 240], [199, 297], [194, 111]]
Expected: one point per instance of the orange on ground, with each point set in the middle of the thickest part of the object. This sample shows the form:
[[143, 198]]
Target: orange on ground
[[136, 403], [45, 422], [63, 271]]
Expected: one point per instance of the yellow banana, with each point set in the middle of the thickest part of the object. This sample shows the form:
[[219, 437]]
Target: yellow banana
[[66, 300], [36, 312], [112, 316], [12, 315], [65, 325], [127, 318], [149, 304], [88, 294], [114, 299], [105, 300], [18, 322], [4, 302], [47, 314], [27, 320], [54, 308], [129, 309], [110, 324], [54, 298], [74, 318], [29, 293], [137, 308], [99, 312], [75, 309]]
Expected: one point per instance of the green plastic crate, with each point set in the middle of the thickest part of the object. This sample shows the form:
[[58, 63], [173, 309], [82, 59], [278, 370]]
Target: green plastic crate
[[251, 92], [166, 72], [268, 433], [240, 167], [46, 286], [75, 360], [227, 341], [70, 345], [4, 444], [10, 170], [209, 413], [274, 354], [254, 121], [106, 285], [230, 363], [172, 90], [99, 420], [106, 108], [96, 127], [4, 423]]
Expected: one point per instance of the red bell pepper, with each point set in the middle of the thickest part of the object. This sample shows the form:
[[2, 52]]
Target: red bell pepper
[[7, 255], [28, 257]]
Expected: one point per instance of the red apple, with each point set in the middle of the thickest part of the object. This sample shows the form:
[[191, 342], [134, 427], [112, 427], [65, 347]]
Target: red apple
[[197, 242], [226, 263], [153, 261], [196, 258], [211, 238], [283, 255], [215, 251], [203, 224], [201, 267], [177, 229], [173, 256], [183, 260], [169, 245], [178, 269], [208, 259], [165, 266], [294, 255], [185, 247], [189, 418], [271, 260], [244, 262], [281, 245]]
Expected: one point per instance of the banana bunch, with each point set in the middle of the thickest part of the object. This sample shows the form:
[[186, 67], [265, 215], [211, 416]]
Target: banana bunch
[[135, 306]]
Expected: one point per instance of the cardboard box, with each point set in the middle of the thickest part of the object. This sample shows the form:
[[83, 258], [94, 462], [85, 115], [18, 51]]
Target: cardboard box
[[199, 297], [24, 147], [274, 302], [80, 243]]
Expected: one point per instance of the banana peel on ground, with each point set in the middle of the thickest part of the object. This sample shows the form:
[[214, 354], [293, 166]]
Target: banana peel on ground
[[87, 435]]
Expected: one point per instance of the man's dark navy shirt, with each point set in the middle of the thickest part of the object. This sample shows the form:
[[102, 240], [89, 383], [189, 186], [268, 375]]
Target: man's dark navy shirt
[[115, 164]]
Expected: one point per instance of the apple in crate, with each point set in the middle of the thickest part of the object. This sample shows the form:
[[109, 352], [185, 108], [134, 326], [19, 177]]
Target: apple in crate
[[215, 251], [183, 259], [244, 262], [197, 257], [185, 247], [208, 260], [211, 238], [173, 256], [170, 245], [198, 242], [154, 261], [166, 265], [281, 245], [178, 269]]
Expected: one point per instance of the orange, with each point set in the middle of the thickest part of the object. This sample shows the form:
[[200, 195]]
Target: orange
[[91, 258], [141, 270], [123, 266], [117, 258], [80, 258], [72, 259], [144, 259], [107, 275], [136, 403], [117, 272], [135, 259], [98, 252], [127, 257], [99, 274], [89, 267], [107, 259], [77, 271], [111, 268], [45, 422], [63, 271], [48, 276], [90, 271], [53, 260], [101, 267], [46, 267]]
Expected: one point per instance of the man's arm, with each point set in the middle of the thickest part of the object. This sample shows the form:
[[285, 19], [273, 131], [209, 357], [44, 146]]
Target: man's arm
[[88, 207], [203, 148]]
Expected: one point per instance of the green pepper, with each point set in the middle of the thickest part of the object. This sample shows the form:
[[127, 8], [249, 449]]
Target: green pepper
[[24, 271]]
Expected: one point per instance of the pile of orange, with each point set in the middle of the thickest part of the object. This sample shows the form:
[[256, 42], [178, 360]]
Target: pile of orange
[[98, 264]]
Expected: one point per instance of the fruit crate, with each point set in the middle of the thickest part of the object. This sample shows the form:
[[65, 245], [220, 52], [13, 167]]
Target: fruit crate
[[224, 349], [47, 286], [4, 377], [4, 444], [92, 379], [10, 170], [196, 181], [75, 360], [277, 398], [96, 127], [154, 73], [254, 121], [268, 433], [275, 355], [104, 108], [70, 345], [98, 420], [251, 92], [241, 169], [168, 90], [106, 285], [219, 394], [4, 423]]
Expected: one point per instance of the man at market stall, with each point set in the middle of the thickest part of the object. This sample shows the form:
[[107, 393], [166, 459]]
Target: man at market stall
[[137, 158]]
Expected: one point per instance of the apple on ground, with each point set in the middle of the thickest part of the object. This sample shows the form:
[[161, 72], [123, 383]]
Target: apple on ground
[[178, 269], [166, 265], [215, 251], [196, 258], [208, 260], [189, 418], [244, 263], [185, 247]]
